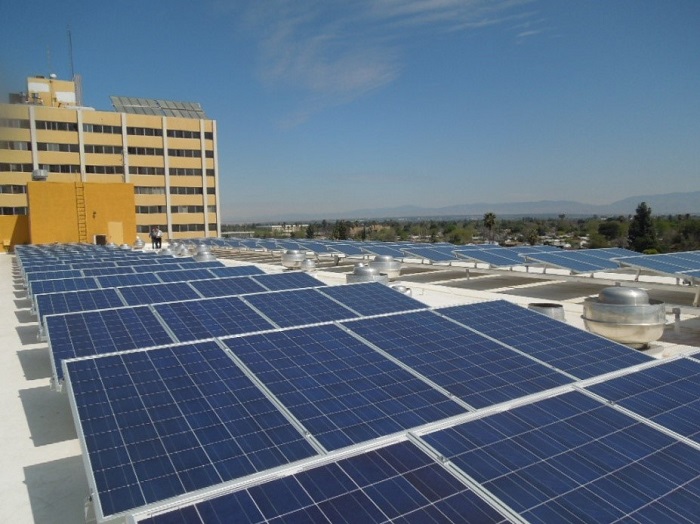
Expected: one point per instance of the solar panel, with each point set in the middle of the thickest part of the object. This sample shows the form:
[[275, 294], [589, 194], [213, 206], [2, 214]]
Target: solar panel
[[298, 307], [72, 301], [222, 287], [129, 279], [62, 284], [495, 256], [577, 352], [100, 271], [236, 271], [346, 249], [572, 459], [159, 266], [35, 276], [90, 333], [168, 421], [398, 483], [382, 250], [670, 263], [205, 318], [158, 107], [667, 394], [372, 298], [477, 370], [341, 390], [185, 275], [432, 254], [282, 281], [576, 261], [154, 293]]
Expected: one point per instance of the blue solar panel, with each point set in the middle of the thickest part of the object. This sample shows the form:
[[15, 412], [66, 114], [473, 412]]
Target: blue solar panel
[[298, 307], [223, 287], [236, 271], [398, 483], [154, 293], [383, 250], [97, 332], [577, 261], [572, 459], [346, 249], [475, 369], [281, 281], [567, 348], [73, 301], [670, 263], [62, 284], [341, 390], [158, 265], [372, 298], [100, 271], [316, 247], [432, 254], [197, 319], [168, 421], [668, 394], [130, 279], [183, 275], [35, 276], [495, 256], [521, 250]]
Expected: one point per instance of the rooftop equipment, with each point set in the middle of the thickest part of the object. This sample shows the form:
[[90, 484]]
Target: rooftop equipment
[[387, 265], [625, 315], [365, 273], [204, 254], [138, 243], [293, 258]]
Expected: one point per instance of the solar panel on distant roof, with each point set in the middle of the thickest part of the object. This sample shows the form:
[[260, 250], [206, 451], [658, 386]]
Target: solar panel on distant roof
[[572, 459], [168, 421], [341, 390], [153, 293], [291, 280], [477, 370], [372, 298], [398, 483], [574, 351]]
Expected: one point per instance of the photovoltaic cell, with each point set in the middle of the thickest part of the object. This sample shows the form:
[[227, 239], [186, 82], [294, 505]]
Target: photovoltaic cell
[[668, 394], [298, 307], [52, 275], [154, 293], [223, 287], [106, 331], [372, 298], [184, 275], [236, 271], [495, 256], [73, 301], [397, 483], [100, 271], [131, 279], [432, 254], [341, 390], [572, 459], [473, 368], [670, 263], [568, 349], [282, 281], [168, 421], [205, 318], [62, 284]]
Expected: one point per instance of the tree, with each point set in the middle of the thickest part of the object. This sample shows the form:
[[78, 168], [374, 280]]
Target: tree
[[642, 235], [310, 231], [489, 222]]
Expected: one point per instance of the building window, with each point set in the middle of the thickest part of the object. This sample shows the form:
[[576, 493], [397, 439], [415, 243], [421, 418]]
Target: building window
[[187, 209], [209, 135], [99, 128], [179, 133], [143, 170], [61, 168], [13, 210], [146, 151], [187, 227], [146, 210], [15, 145], [13, 189], [178, 190], [64, 148], [144, 131], [103, 150], [16, 168], [211, 209], [209, 154], [105, 170], [15, 123], [143, 229], [48, 125], [210, 172], [212, 227], [185, 171], [186, 153], [211, 191], [145, 190]]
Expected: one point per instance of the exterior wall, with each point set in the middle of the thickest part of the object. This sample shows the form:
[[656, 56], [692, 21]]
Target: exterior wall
[[54, 215], [13, 230], [171, 161]]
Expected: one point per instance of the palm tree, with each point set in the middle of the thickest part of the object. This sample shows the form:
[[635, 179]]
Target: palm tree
[[489, 222]]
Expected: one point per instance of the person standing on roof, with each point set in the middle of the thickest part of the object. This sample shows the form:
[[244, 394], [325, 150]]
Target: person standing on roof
[[153, 237], [159, 237]]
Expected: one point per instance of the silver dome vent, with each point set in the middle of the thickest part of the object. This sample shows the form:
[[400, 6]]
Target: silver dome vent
[[138, 243], [204, 254], [365, 273], [293, 258], [387, 265]]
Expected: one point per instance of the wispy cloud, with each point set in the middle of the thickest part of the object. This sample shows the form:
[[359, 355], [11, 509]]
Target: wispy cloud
[[333, 52]]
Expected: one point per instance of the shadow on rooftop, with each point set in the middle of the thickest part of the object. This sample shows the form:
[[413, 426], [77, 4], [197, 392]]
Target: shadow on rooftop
[[57, 490], [36, 363], [28, 334], [24, 316], [23, 302], [556, 291], [20, 294], [48, 415]]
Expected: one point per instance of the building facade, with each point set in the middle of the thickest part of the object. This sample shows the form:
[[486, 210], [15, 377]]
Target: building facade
[[166, 150]]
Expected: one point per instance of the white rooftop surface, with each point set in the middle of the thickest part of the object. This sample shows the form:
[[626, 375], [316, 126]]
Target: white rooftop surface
[[43, 476]]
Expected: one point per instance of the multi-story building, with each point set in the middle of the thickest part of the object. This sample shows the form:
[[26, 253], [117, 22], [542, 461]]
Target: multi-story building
[[166, 150]]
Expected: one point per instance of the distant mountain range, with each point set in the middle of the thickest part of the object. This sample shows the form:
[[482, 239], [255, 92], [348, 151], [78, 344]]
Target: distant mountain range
[[666, 204]]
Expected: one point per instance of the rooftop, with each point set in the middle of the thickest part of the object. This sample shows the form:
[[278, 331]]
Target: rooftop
[[44, 478]]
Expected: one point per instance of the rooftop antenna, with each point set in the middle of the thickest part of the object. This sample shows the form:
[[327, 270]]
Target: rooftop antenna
[[77, 79], [70, 50]]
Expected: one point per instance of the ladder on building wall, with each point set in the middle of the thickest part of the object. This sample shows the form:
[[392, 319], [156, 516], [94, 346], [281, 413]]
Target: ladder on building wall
[[82, 213]]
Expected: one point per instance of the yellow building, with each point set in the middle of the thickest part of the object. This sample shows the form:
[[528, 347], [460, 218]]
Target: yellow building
[[163, 152]]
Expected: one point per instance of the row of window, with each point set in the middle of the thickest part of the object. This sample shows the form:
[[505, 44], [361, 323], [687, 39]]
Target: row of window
[[16, 168], [103, 150], [20, 123], [13, 210], [174, 209], [174, 190], [15, 145], [147, 151], [73, 168], [15, 123], [49, 125], [14, 189], [143, 170], [177, 228], [158, 151], [62, 148], [99, 128]]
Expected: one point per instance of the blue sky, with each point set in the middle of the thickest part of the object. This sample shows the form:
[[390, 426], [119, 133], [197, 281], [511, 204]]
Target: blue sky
[[328, 106]]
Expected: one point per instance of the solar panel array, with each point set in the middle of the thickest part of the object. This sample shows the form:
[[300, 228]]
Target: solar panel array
[[681, 264], [486, 412], [580, 261]]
